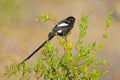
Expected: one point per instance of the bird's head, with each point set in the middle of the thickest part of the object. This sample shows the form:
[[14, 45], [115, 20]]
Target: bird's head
[[70, 19]]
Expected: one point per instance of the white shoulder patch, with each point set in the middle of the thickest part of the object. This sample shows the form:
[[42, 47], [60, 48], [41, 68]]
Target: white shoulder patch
[[59, 31], [62, 25]]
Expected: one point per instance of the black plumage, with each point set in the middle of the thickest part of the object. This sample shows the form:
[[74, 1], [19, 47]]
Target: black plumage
[[61, 29]]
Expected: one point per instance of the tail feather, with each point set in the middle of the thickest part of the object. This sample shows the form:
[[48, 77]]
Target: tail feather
[[50, 36]]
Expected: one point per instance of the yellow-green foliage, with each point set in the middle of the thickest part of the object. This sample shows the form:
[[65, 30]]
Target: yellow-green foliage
[[81, 65]]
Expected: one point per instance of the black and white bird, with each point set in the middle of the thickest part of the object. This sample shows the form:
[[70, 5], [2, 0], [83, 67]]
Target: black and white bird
[[61, 29]]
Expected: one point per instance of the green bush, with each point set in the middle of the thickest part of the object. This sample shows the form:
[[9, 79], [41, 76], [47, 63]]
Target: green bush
[[78, 64]]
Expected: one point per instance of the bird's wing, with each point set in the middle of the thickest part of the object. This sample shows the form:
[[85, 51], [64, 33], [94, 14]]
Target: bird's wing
[[62, 23]]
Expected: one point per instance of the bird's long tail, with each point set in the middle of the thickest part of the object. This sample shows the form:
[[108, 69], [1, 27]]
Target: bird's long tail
[[50, 36]]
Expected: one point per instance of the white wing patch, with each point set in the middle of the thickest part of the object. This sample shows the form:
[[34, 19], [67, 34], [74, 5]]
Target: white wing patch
[[62, 25], [59, 31]]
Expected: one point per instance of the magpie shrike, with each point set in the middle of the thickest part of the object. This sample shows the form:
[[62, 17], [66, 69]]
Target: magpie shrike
[[61, 29]]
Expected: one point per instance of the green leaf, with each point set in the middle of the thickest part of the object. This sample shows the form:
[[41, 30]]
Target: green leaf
[[106, 35], [85, 27], [83, 34], [6, 68], [105, 73], [45, 17], [101, 45], [44, 69], [88, 48], [109, 19], [26, 69], [84, 19], [84, 68], [95, 74], [38, 75], [108, 23], [101, 62], [105, 62], [25, 66], [84, 78], [90, 60], [79, 42], [94, 45], [61, 40], [37, 65], [69, 47], [81, 27]]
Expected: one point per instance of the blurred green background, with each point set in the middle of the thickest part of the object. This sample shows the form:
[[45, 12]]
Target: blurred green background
[[20, 34]]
